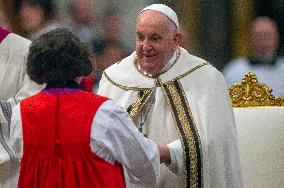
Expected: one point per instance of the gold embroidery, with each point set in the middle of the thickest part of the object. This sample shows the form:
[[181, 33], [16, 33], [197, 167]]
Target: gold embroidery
[[189, 136], [249, 92], [124, 87], [197, 133], [139, 103], [157, 83], [138, 68], [191, 141], [183, 128], [188, 72], [180, 136]]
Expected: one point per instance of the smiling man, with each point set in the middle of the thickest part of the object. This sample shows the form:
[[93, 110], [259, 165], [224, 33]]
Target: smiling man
[[178, 100]]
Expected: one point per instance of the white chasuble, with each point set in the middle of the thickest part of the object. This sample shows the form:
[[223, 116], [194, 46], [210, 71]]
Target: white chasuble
[[187, 107]]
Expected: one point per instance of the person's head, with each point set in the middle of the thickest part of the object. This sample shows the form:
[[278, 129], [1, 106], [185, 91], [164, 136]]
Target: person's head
[[112, 25], [111, 54], [4, 21], [34, 14], [58, 56], [264, 38], [157, 38], [82, 11]]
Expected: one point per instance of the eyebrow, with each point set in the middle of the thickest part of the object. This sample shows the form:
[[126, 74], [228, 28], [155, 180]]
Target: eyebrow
[[153, 34]]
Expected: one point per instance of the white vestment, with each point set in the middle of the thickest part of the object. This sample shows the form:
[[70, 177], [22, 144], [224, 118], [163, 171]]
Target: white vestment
[[13, 78], [14, 82], [9, 166], [189, 102]]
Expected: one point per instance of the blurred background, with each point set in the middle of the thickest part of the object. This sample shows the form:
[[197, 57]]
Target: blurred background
[[216, 30]]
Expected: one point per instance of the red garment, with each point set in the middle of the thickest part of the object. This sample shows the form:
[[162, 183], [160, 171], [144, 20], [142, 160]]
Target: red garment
[[3, 34], [56, 141], [87, 83]]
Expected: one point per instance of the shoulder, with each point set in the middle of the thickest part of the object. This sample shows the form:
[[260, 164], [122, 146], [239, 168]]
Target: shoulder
[[109, 111], [83, 97], [184, 65], [96, 97], [210, 75], [109, 106], [17, 43], [186, 56], [189, 61], [280, 60]]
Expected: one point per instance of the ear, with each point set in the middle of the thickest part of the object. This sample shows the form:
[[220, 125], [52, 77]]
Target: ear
[[177, 39]]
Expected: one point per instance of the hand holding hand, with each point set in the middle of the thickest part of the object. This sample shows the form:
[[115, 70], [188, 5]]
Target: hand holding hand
[[164, 154]]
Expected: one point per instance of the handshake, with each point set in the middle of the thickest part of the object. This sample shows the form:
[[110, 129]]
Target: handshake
[[164, 154]]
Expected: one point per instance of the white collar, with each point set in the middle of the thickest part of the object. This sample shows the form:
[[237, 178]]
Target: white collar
[[170, 62], [167, 66]]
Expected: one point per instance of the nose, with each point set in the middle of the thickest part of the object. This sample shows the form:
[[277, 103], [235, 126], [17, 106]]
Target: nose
[[147, 45]]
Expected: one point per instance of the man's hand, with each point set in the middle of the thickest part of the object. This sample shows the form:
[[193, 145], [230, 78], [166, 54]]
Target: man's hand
[[164, 154]]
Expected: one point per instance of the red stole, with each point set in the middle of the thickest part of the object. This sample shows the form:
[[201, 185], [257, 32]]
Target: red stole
[[3, 34], [56, 140]]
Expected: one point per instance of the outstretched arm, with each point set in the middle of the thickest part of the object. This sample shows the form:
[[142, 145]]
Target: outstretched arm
[[115, 138]]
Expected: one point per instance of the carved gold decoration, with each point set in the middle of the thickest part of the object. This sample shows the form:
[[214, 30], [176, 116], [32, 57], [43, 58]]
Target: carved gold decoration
[[250, 93]]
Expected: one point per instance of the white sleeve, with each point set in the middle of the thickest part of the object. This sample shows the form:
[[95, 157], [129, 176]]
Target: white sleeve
[[115, 137], [176, 155], [16, 133]]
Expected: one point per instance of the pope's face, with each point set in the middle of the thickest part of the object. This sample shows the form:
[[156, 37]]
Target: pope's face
[[156, 41]]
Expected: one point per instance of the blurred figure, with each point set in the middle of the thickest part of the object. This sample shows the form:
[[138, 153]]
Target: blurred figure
[[38, 17], [113, 30], [186, 38], [13, 82], [112, 48], [82, 14], [264, 61], [111, 54], [4, 22]]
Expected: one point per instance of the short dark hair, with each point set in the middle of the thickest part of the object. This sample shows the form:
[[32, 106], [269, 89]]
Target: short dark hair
[[58, 56]]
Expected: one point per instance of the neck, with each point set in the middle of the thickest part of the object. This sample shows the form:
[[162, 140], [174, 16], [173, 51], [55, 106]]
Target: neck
[[68, 84], [167, 66]]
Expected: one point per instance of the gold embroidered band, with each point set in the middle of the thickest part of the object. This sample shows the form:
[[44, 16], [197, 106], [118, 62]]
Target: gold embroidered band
[[143, 96], [188, 133]]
